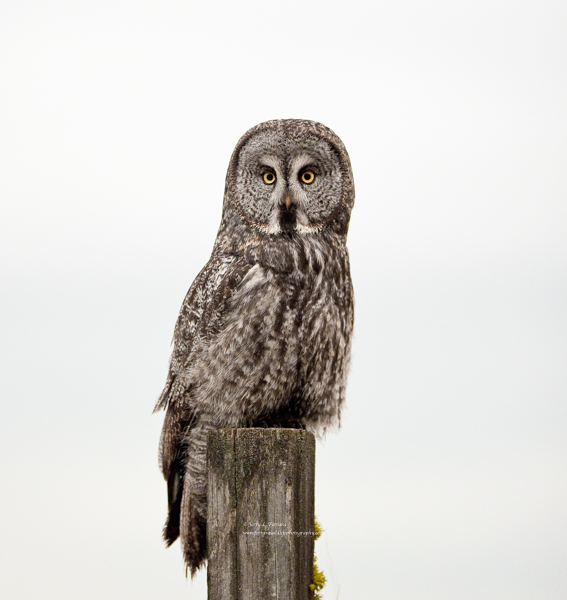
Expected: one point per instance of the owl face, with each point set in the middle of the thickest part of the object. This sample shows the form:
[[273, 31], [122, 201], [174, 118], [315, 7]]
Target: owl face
[[285, 178]]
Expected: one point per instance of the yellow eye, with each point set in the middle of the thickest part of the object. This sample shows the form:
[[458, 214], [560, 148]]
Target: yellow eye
[[308, 177], [269, 178]]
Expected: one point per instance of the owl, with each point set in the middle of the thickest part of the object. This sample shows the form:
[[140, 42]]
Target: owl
[[263, 336]]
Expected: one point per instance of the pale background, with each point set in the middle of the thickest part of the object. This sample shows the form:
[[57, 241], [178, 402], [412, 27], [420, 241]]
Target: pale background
[[448, 479]]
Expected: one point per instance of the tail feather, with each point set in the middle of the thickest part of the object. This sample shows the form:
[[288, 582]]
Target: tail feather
[[174, 495], [193, 521], [194, 541]]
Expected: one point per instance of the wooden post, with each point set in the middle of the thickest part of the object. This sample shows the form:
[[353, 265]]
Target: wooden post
[[260, 526]]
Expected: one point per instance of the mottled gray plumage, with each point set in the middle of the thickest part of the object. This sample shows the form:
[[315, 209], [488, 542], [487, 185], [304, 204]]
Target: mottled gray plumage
[[263, 335]]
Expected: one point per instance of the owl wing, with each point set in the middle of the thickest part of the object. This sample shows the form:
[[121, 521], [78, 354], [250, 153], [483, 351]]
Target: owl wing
[[199, 319]]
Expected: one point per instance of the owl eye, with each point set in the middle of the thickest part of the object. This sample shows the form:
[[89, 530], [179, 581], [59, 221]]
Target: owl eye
[[308, 177], [269, 178]]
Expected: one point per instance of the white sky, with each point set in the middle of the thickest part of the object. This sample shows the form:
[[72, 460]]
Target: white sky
[[448, 479]]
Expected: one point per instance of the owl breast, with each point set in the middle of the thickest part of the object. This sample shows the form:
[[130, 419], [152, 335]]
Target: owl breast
[[282, 351]]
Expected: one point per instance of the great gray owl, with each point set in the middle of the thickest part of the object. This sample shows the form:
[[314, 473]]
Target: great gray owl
[[263, 335]]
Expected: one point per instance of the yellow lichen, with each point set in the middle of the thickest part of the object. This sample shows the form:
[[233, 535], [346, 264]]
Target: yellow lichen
[[317, 529], [319, 579]]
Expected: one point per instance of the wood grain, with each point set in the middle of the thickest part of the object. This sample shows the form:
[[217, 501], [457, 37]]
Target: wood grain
[[260, 514]]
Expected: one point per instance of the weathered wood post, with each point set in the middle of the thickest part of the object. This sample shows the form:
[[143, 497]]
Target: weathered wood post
[[260, 527]]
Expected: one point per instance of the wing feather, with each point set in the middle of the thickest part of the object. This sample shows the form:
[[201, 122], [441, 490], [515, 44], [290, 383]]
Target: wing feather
[[200, 318]]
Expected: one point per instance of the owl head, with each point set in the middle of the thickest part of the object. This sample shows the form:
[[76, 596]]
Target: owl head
[[290, 177]]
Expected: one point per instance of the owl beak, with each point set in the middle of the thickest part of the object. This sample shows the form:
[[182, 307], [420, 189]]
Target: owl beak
[[288, 214]]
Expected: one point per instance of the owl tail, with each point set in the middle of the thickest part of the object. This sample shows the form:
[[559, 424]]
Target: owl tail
[[194, 537], [193, 503], [174, 496]]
